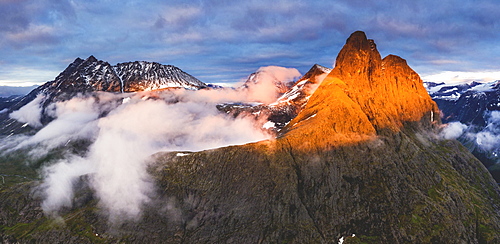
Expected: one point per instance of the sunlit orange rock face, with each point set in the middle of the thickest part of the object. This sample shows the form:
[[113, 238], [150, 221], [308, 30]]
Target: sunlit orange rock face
[[362, 96]]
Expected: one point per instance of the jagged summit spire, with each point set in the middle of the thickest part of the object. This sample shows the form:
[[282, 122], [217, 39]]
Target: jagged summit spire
[[362, 96], [358, 52], [358, 40]]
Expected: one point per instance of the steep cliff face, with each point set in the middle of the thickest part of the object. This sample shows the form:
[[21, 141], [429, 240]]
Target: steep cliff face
[[357, 159], [362, 95], [387, 90]]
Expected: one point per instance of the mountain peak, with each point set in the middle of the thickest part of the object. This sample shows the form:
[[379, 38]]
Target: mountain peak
[[358, 52], [358, 40], [92, 74], [91, 58], [78, 61], [314, 72], [143, 76], [361, 97]]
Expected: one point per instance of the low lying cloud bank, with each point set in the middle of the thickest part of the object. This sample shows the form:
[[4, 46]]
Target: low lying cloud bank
[[123, 131], [485, 139], [30, 113]]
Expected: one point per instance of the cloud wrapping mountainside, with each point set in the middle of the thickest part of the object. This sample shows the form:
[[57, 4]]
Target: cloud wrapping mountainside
[[124, 131], [486, 139], [30, 113]]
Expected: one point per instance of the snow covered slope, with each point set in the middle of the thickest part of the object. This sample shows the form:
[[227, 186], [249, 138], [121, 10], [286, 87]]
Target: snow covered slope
[[145, 76]]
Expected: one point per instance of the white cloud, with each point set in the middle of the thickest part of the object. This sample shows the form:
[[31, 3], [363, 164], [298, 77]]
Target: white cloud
[[58, 183], [134, 127], [30, 113], [266, 88], [487, 140], [75, 119], [453, 130]]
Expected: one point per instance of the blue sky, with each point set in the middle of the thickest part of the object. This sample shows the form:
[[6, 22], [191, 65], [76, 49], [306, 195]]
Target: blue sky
[[224, 41]]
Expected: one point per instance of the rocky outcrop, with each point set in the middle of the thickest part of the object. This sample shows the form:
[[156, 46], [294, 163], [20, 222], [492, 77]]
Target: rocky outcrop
[[362, 96]]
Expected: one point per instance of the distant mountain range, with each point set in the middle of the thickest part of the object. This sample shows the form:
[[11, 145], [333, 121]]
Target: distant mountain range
[[10, 95], [466, 102], [8, 91], [477, 106]]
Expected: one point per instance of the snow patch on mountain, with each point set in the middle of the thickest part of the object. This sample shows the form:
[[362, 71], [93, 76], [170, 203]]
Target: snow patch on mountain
[[449, 92], [147, 76]]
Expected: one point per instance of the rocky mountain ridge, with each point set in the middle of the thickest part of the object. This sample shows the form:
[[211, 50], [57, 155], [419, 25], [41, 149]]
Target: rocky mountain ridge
[[93, 75], [363, 96]]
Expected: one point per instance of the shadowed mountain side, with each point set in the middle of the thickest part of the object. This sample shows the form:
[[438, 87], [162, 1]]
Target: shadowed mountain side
[[397, 189], [403, 188]]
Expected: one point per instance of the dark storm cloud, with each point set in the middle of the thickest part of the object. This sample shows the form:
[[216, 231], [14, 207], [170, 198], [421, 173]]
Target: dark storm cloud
[[241, 36]]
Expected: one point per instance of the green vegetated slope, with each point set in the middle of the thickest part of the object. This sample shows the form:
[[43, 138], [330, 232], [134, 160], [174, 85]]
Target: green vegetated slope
[[392, 190]]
